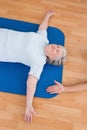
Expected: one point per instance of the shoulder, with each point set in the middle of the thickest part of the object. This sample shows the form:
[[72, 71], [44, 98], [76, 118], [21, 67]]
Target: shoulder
[[36, 69], [40, 62], [43, 34]]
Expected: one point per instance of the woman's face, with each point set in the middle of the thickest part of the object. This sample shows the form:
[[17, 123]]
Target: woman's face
[[54, 51]]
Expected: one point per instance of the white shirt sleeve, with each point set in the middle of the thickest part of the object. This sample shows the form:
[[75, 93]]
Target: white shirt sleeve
[[43, 33], [36, 71]]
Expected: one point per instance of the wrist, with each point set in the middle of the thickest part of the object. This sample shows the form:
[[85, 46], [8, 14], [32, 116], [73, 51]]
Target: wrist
[[47, 16], [28, 105], [65, 89]]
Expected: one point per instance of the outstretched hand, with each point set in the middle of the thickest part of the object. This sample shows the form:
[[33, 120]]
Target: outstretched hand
[[29, 112], [57, 88], [50, 13]]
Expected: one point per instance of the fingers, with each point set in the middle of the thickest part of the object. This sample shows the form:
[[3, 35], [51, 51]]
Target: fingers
[[28, 118], [51, 90], [57, 83], [55, 89], [50, 13], [29, 115]]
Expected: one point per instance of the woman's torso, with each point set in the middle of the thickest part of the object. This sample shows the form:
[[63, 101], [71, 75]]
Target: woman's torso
[[22, 47]]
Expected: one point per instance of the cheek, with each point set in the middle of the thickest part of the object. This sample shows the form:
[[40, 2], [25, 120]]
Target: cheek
[[59, 52], [53, 52]]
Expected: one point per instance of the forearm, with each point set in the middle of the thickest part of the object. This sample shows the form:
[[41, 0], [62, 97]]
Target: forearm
[[44, 24], [76, 88], [31, 87], [30, 95]]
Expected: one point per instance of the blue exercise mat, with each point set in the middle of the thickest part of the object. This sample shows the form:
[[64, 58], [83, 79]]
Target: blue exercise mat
[[13, 76]]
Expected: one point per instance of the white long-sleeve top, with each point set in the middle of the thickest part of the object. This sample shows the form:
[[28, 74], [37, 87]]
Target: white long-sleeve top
[[24, 47]]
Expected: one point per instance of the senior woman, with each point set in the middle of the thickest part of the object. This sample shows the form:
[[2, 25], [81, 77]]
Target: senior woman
[[31, 49]]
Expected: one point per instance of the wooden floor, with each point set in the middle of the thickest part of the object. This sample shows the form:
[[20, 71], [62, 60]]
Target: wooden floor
[[68, 111]]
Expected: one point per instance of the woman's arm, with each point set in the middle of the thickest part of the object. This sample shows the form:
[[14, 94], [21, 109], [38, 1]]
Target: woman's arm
[[58, 88], [76, 88], [44, 24], [32, 81], [31, 87]]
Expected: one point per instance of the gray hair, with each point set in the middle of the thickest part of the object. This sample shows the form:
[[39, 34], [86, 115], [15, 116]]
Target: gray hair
[[59, 60]]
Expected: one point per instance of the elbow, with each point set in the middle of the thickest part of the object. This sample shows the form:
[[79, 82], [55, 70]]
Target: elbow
[[31, 80]]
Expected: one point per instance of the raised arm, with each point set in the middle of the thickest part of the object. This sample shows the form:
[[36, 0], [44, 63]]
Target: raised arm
[[31, 87], [44, 24]]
